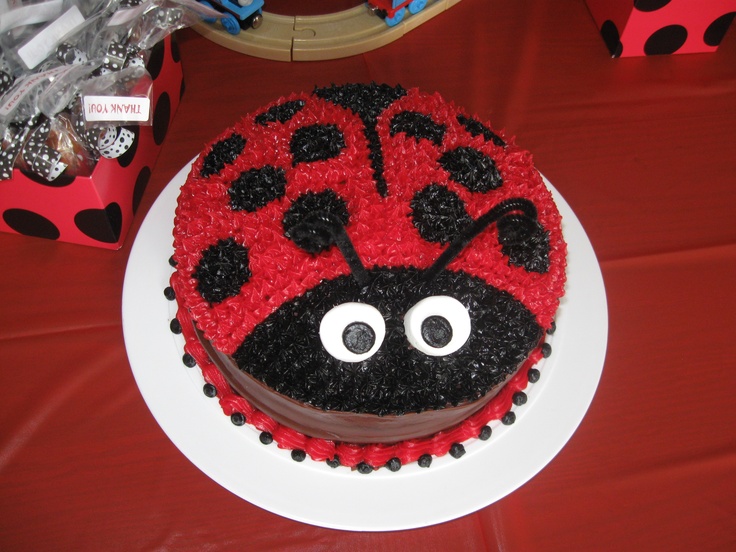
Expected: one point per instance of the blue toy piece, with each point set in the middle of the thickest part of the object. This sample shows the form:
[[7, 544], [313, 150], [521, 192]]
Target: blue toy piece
[[238, 15], [396, 19], [393, 11], [416, 6]]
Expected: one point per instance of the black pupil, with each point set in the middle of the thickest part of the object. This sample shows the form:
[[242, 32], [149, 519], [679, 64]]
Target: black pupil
[[436, 331], [358, 337]]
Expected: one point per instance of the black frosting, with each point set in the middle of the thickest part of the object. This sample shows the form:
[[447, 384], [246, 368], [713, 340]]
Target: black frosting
[[222, 153], [367, 101], [285, 350], [222, 270], [281, 113], [255, 188], [316, 142], [472, 168], [475, 127], [418, 126], [439, 214]]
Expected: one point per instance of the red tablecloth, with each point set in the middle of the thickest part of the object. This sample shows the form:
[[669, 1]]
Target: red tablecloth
[[643, 151]]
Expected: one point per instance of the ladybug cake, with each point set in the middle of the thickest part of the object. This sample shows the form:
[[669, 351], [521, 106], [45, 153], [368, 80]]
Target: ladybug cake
[[366, 274]]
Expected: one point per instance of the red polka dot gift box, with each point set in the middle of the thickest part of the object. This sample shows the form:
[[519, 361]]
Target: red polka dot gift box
[[97, 210], [653, 27]]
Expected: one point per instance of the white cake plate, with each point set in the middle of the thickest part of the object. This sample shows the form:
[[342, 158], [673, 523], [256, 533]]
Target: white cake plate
[[339, 498]]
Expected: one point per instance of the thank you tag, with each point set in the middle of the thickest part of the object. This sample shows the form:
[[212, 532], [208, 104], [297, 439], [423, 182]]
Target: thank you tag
[[116, 108]]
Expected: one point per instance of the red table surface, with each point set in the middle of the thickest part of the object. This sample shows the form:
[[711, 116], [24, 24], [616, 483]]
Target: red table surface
[[643, 151]]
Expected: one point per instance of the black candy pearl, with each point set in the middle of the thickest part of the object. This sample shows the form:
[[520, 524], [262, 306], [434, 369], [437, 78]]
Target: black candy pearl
[[364, 468], [425, 460]]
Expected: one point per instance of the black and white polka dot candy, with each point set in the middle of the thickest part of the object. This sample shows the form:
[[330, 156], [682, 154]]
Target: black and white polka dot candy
[[115, 141]]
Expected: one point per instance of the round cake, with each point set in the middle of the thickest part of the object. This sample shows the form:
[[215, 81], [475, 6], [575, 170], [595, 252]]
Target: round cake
[[366, 274]]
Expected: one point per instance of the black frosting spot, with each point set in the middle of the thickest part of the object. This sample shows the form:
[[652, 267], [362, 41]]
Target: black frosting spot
[[301, 221], [209, 390], [508, 418], [418, 126], [666, 40], [475, 127], [103, 225], [485, 433], [237, 418], [222, 270], [255, 188], [394, 464], [425, 460], [439, 214], [471, 168], [367, 101], [265, 437], [285, 351], [29, 223], [715, 32], [525, 242], [298, 455], [316, 142], [223, 153], [281, 113]]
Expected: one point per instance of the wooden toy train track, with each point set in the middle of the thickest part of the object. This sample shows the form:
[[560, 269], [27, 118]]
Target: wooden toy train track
[[319, 37]]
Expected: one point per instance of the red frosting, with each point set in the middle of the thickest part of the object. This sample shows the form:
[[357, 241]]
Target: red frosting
[[281, 271]]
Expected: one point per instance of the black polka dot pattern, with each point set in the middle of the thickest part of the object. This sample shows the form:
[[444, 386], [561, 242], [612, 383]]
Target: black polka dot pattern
[[29, 223], [472, 168], [281, 113], [650, 5], [303, 221], [161, 117], [255, 188], [666, 40], [439, 214], [612, 38], [223, 153], [222, 270], [103, 225], [418, 126], [316, 143], [141, 182], [130, 145], [715, 32], [476, 128]]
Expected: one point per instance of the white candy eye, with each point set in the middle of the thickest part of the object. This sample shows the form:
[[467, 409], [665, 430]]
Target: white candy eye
[[437, 325], [352, 332]]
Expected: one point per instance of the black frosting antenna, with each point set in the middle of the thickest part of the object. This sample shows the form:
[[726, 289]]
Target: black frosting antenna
[[475, 228], [322, 229]]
